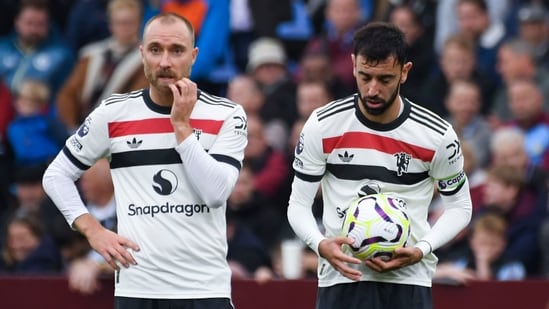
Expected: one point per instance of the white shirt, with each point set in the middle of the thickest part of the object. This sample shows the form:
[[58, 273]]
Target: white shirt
[[343, 151], [170, 198]]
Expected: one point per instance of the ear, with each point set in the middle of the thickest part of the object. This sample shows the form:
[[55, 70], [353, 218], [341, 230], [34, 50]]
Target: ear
[[405, 70], [353, 59], [195, 53]]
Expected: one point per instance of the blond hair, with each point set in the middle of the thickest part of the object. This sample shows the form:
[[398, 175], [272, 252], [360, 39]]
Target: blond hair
[[34, 90], [115, 5]]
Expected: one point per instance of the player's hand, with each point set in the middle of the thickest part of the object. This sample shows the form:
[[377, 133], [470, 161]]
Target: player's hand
[[113, 248], [330, 249], [403, 256], [185, 94], [83, 276]]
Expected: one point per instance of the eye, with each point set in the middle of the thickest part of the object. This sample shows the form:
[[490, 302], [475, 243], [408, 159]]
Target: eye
[[178, 50], [154, 49]]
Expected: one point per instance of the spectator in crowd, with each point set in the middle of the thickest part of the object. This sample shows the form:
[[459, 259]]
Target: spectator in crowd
[[527, 113], [311, 95], [315, 66], [28, 249], [507, 148], [463, 103], [112, 65], [457, 61], [420, 49], [533, 28], [29, 197], [247, 256], [250, 20], [488, 242], [87, 22], [515, 60], [98, 193], [245, 90], [446, 23], [35, 50], [267, 64], [475, 23], [251, 208], [34, 136], [269, 166], [483, 258], [523, 209], [342, 18]]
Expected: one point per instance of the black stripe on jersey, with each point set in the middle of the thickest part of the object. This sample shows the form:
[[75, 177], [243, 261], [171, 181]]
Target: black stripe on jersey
[[215, 100], [157, 157], [359, 172], [145, 157], [119, 97], [334, 104], [344, 107], [74, 160], [336, 108], [428, 119], [226, 159], [453, 191], [308, 178]]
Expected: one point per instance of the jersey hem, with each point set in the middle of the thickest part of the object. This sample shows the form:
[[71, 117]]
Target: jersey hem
[[428, 283], [192, 295]]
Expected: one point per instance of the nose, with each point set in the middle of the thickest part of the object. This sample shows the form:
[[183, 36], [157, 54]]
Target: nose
[[165, 60], [373, 88]]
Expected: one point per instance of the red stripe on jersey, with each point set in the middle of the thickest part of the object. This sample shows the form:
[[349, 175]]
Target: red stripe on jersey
[[372, 141], [159, 125]]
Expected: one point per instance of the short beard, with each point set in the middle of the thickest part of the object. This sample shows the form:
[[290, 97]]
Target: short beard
[[381, 109]]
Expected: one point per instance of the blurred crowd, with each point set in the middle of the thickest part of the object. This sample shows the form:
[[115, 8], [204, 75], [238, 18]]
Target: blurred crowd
[[481, 64]]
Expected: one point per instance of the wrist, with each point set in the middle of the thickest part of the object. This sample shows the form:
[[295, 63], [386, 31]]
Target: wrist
[[424, 246], [86, 224], [182, 131]]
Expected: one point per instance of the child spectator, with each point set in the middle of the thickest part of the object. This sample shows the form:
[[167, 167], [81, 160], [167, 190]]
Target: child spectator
[[488, 241], [484, 258], [34, 136]]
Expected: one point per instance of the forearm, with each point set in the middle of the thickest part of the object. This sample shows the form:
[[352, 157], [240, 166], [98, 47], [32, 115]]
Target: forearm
[[456, 216], [211, 179], [300, 215], [58, 182]]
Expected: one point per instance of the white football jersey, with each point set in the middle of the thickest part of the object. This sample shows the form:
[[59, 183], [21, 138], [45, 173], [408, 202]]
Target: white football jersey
[[408, 157], [182, 240]]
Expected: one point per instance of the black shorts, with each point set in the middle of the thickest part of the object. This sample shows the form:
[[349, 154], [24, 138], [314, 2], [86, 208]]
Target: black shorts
[[147, 303], [374, 295]]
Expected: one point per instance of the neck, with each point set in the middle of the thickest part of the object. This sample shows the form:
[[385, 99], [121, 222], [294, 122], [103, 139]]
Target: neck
[[162, 98]]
